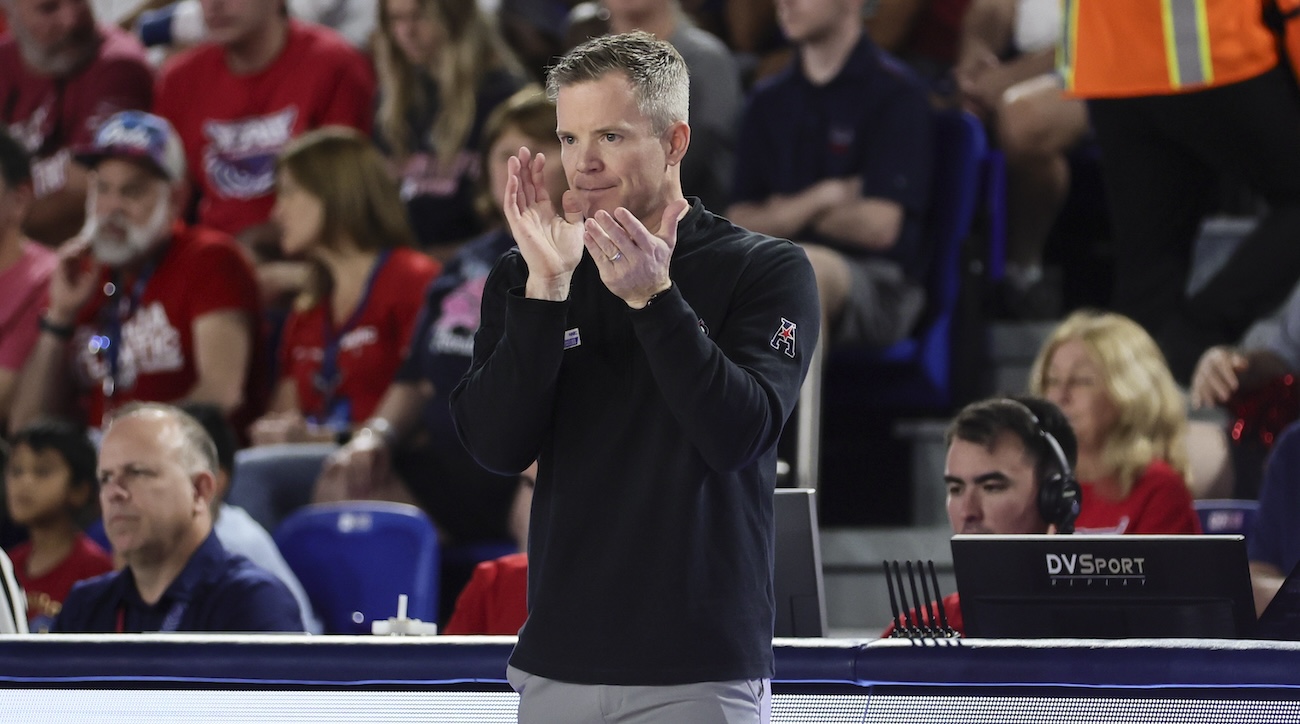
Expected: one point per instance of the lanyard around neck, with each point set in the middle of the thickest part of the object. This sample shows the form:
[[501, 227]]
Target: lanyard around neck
[[117, 311], [329, 377]]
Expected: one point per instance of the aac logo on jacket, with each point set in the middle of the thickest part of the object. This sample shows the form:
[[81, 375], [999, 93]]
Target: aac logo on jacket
[[784, 338]]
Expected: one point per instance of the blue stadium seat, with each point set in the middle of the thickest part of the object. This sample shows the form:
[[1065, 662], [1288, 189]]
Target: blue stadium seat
[[1226, 516], [916, 373], [355, 558]]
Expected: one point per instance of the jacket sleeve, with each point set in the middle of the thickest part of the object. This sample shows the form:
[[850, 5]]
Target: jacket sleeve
[[733, 392], [502, 408]]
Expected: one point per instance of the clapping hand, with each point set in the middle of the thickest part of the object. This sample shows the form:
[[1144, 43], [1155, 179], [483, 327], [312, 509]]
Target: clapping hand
[[633, 261], [551, 245]]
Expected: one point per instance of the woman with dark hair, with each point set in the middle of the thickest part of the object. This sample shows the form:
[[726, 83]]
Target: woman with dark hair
[[338, 207]]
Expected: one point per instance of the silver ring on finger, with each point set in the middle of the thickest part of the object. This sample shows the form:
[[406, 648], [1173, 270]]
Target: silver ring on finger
[[617, 255]]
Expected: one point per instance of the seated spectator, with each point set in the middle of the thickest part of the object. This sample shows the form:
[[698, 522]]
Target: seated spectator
[[411, 434], [1254, 380], [442, 69], [157, 477], [181, 24], [1005, 476], [25, 269], [495, 601], [1108, 376], [141, 306], [338, 207], [60, 77], [1273, 546], [50, 488], [715, 91], [1006, 75], [237, 99], [1270, 350], [836, 153]]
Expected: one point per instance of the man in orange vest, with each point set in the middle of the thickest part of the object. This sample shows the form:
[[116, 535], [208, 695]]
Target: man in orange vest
[[1181, 92]]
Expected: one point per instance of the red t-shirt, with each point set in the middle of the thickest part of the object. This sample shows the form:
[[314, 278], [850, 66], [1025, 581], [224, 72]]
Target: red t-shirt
[[1159, 503], [495, 601], [51, 117], [371, 344], [951, 609], [23, 299], [233, 126], [45, 594], [201, 272]]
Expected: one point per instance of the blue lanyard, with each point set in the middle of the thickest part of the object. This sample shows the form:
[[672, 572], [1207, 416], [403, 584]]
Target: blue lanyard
[[118, 309], [329, 377]]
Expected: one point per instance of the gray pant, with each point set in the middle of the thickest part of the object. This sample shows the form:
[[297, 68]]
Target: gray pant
[[547, 701]]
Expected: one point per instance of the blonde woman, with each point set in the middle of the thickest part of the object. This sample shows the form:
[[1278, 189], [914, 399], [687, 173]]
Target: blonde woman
[[1109, 378], [442, 68], [338, 208]]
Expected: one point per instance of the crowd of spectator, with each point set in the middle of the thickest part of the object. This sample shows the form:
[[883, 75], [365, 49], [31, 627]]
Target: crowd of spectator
[[282, 216]]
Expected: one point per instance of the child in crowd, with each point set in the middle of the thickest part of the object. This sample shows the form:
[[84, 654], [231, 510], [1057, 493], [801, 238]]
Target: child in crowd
[[50, 489]]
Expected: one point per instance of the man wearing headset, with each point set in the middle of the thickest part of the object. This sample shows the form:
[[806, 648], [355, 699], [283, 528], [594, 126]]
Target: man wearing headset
[[1009, 470]]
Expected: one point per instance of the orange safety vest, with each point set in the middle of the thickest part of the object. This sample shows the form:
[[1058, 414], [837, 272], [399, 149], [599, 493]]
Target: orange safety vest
[[1120, 48]]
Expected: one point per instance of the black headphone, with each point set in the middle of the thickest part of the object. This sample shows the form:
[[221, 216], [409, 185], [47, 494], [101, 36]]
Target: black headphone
[[1059, 494]]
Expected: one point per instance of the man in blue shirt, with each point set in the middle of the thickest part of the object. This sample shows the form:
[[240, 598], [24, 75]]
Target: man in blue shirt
[[157, 476], [835, 152]]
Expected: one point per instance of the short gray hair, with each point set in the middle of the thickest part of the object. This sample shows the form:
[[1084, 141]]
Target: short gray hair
[[660, 80], [198, 451]]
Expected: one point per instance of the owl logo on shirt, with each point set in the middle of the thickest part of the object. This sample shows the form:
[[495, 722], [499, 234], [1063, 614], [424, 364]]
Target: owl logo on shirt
[[239, 157]]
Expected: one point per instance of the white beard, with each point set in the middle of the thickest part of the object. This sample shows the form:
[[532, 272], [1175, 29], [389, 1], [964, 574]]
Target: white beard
[[116, 241]]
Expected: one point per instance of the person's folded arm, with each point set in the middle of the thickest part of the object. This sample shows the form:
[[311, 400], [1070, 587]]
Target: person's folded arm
[[787, 216], [865, 223]]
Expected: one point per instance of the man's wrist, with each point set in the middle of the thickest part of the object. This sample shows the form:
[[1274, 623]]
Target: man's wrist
[[555, 289], [643, 303]]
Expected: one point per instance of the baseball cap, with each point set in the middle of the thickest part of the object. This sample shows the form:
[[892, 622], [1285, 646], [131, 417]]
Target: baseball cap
[[140, 136]]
